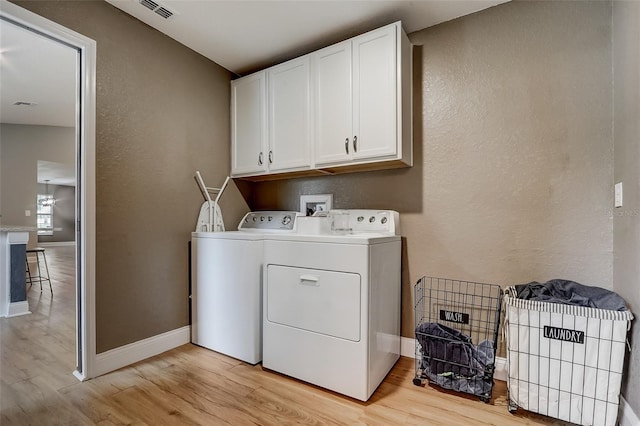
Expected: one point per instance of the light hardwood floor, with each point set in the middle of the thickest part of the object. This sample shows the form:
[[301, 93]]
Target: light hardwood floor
[[194, 386]]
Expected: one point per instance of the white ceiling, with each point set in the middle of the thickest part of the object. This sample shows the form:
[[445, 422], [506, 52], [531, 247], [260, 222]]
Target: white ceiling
[[56, 173], [35, 69], [241, 36], [244, 36]]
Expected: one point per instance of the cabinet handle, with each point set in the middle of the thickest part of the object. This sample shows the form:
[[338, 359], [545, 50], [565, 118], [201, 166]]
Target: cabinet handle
[[346, 145], [260, 159], [270, 157], [355, 144]]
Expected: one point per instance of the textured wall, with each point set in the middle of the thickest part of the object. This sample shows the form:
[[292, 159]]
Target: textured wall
[[22, 147], [626, 219], [162, 112], [513, 156]]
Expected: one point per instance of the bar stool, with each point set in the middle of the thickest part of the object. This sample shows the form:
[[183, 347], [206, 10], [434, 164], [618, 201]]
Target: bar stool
[[31, 278]]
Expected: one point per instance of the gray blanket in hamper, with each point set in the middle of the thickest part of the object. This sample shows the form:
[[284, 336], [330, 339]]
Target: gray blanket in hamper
[[571, 293]]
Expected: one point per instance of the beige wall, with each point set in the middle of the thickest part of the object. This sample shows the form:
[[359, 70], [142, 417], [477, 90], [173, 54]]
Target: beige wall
[[22, 146], [513, 162], [162, 113], [626, 219]]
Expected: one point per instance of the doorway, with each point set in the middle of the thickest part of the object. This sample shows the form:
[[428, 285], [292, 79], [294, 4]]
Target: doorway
[[83, 50]]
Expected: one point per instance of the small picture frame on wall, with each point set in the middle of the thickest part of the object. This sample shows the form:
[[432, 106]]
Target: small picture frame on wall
[[311, 204]]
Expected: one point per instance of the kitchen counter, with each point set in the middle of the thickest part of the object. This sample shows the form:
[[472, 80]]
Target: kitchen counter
[[13, 289], [17, 228]]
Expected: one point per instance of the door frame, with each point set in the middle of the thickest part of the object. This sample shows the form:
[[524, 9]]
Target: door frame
[[85, 176]]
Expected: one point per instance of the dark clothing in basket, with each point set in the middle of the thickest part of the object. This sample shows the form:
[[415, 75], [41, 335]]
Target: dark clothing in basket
[[451, 360], [571, 293]]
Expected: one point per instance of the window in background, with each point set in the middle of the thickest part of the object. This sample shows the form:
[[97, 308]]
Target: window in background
[[45, 214]]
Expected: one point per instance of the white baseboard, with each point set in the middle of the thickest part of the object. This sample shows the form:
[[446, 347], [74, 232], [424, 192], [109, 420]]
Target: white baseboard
[[408, 349], [500, 373], [627, 417], [15, 309], [57, 244], [143, 349]]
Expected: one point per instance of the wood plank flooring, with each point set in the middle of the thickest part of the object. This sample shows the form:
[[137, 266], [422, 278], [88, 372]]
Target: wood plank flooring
[[194, 386]]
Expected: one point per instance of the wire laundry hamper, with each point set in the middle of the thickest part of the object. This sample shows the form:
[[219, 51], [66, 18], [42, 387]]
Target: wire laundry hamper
[[457, 334], [565, 361]]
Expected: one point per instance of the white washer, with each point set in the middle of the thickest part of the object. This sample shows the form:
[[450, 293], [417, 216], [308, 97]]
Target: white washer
[[226, 293], [331, 313]]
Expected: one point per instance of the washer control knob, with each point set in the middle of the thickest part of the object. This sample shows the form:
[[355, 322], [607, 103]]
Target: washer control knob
[[286, 220], [255, 219], [360, 218], [270, 218], [372, 219], [383, 220], [246, 220], [261, 218]]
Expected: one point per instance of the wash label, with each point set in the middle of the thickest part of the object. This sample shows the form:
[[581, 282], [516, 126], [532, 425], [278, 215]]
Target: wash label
[[452, 316], [564, 334]]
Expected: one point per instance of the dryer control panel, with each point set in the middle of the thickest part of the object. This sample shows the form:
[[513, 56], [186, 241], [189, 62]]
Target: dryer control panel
[[274, 220], [357, 221]]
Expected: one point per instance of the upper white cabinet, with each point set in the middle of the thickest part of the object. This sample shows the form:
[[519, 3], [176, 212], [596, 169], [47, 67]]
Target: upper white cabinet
[[358, 99], [343, 108], [333, 103], [270, 120], [249, 124], [289, 115], [375, 99]]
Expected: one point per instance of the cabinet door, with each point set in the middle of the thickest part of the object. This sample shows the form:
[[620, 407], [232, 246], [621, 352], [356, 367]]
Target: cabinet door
[[374, 94], [248, 124], [289, 115], [333, 103]]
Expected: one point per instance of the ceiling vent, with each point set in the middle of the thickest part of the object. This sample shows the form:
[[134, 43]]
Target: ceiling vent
[[157, 8], [24, 103], [149, 4], [165, 13]]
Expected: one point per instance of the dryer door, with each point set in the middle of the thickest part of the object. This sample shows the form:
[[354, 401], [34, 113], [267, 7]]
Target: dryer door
[[319, 301]]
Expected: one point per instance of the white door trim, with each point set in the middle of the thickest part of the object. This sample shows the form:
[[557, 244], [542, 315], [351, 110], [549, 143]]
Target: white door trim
[[85, 157]]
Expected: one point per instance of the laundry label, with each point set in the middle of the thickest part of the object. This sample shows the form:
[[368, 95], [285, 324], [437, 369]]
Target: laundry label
[[452, 316], [564, 334]]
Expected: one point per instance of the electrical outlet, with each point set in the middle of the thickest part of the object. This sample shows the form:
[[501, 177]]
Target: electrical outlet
[[618, 195], [27, 213]]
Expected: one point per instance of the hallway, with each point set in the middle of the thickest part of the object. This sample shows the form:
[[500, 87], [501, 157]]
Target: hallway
[[38, 350]]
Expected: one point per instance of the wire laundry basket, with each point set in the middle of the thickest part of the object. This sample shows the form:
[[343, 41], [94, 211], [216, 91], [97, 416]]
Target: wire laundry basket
[[565, 361], [457, 334]]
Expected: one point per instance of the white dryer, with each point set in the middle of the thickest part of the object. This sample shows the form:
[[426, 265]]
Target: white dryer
[[226, 291], [331, 314]]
